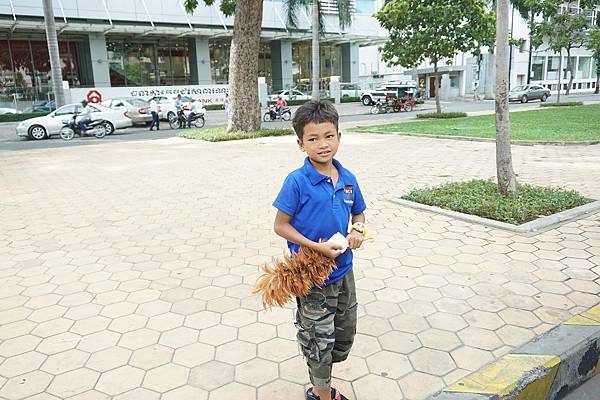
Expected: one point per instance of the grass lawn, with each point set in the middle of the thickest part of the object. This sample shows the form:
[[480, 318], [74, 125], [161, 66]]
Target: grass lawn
[[481, 198], [219, 134], [548, 124]]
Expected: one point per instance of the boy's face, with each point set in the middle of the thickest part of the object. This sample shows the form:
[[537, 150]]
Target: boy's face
[[320, 142]]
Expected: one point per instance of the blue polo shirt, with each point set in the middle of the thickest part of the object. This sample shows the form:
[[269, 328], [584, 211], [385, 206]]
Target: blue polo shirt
[[319, 210]]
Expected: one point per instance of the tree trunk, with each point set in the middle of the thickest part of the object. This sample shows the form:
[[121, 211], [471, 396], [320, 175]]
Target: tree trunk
[[560, 60], [570, 69], [243, 67], [55, 67], [438, 106], [507, 181], [316, 63], [597, 77]]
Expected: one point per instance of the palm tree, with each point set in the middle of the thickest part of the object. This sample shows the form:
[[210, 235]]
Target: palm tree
[[507, 181], [344, 16], [55, 67]]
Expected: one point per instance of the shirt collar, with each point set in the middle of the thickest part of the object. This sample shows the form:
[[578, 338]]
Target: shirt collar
[[315, 176]]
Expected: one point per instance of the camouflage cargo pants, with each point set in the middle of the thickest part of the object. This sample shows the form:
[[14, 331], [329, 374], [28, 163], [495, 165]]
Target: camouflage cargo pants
[[326, 322]]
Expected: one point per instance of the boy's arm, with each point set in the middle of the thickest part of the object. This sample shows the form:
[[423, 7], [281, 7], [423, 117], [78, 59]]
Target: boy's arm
[[355, 238], [284, 229]]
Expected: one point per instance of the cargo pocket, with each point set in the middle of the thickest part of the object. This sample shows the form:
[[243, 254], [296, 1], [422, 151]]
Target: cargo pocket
[[311, 310]]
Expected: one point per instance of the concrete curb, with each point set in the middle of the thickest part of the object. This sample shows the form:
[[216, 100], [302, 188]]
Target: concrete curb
[[545, 368], [528, 227], [487, 140]]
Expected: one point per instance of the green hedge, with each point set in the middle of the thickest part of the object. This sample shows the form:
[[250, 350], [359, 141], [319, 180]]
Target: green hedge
[[442, 115], [481, 198], [220, 135], [20, 117], [347, 99], [214, 107], [563, 104]]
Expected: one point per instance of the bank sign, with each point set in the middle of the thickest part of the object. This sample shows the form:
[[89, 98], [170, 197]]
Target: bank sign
[[210, 94]]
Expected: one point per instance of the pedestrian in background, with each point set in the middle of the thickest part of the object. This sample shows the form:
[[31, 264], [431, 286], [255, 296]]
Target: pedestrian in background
[[154, 112], [226, 104]]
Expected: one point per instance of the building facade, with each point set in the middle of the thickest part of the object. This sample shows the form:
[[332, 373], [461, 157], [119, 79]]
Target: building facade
[[141, 43]]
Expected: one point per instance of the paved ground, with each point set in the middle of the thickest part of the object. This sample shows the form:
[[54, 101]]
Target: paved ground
[[588, 391], [126, 270]]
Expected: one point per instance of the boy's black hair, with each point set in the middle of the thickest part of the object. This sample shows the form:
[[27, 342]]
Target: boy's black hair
[[314, 111]]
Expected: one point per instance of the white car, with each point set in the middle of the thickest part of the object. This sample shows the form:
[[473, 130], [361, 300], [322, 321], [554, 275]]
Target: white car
[[43, 127], [9, 111], [166, 106], [285, 94]]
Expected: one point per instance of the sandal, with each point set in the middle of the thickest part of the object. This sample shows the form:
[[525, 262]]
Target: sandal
[[335, 395]]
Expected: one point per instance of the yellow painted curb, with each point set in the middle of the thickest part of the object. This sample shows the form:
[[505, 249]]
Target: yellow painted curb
[[503, 377], [590, 317]]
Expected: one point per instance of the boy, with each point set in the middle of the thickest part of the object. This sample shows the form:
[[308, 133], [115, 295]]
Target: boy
[[317, 201]]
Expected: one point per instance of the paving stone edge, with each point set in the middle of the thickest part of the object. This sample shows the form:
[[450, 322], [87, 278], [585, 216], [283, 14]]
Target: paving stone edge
[[529, 227], [545, 368], [489, 140]]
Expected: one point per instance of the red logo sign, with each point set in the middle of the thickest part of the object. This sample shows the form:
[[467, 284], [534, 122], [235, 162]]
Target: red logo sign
[[94, 96]]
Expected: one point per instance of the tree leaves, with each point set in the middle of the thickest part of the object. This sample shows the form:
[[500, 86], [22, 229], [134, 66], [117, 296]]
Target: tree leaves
[[434, 30], [227, 6]]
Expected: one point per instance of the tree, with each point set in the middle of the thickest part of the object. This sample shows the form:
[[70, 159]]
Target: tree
[[434, 30], [55, 65], [562, 31], [593, 44], [344, 17], [565, 26], [507, 181], [243, 61]]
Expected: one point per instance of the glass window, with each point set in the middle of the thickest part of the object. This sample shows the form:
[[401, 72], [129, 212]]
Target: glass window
[[219, 60], [565, 66], [68, 109], [265, 66], [453, 81], [537, 68], [553, 65], [116, 63], [301, 65], [180, 64], [147, 69], [367, 7], [583, 68], [594, 69]]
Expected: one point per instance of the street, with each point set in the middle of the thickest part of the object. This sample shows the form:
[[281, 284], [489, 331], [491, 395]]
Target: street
[[352, 114], [588, 391]]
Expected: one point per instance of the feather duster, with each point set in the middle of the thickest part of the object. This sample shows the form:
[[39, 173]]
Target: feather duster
[[293, 277]]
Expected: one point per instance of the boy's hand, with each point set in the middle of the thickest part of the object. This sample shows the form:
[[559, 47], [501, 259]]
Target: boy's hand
[[330, 250], [355, 239]]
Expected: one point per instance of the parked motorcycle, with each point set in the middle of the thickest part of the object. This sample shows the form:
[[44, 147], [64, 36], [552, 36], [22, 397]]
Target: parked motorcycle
[[182, 120], [71, 128], [382, 107], [271, 115]]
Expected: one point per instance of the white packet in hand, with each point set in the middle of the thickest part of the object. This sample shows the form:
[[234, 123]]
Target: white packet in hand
[[339, 239]]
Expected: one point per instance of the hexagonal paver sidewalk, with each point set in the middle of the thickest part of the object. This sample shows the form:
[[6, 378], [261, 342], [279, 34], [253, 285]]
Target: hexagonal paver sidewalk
[[126, 270]]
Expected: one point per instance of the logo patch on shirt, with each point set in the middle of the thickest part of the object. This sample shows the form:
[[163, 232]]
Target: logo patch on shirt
[[348, 190]]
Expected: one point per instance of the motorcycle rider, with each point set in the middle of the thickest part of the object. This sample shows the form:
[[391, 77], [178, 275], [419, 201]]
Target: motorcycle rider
[[197, 110], [85, 116], [179, 110], [280, 106]]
